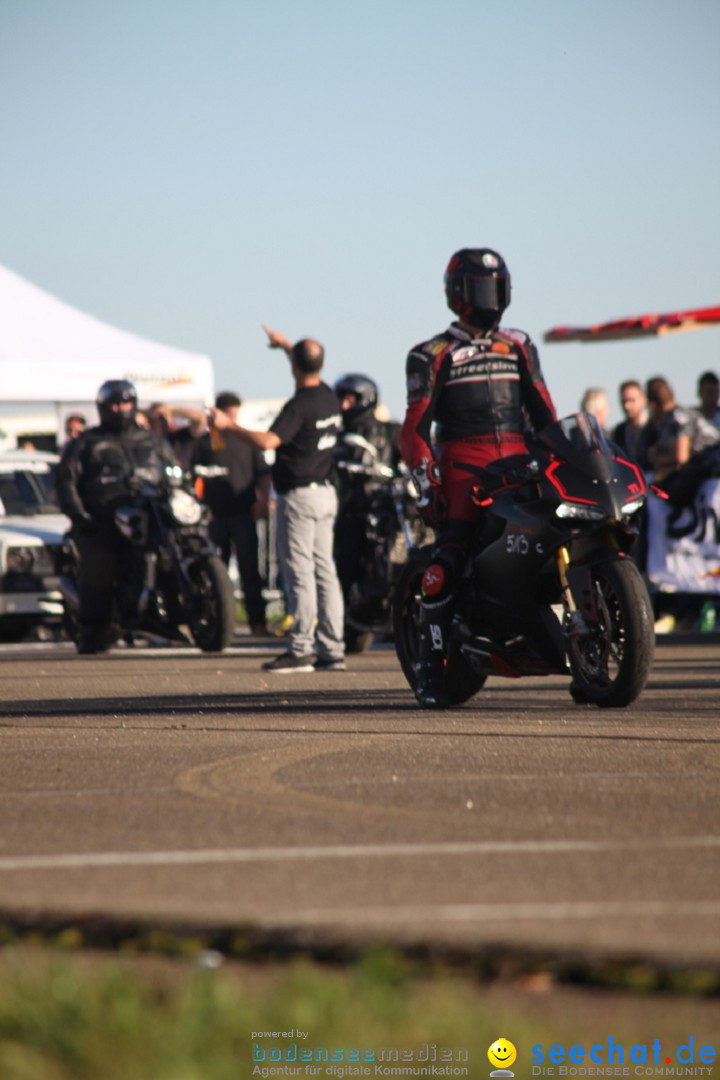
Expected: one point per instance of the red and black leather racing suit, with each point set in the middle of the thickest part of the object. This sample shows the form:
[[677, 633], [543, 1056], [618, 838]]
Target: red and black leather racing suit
[[482, 393]]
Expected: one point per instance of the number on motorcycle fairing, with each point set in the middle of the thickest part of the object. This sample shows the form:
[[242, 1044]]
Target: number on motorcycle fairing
[[517, 544]]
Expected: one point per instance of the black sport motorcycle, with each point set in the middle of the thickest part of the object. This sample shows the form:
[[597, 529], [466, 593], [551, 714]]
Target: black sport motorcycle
[[549, 587], [376, 531], [174, 583]]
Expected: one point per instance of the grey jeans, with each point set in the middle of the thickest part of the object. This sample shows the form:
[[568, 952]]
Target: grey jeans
[[305, 525]]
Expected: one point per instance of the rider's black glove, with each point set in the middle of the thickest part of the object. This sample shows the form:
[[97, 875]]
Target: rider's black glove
[[432, 506]]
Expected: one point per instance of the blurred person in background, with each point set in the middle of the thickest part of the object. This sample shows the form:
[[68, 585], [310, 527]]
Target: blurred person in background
[[377, 445], [97, 474], [631, 434], [360, 403], [182, 437], [75, 424], [669, 438], [596, 402], [708, 390], [235, 486], [704, 426]]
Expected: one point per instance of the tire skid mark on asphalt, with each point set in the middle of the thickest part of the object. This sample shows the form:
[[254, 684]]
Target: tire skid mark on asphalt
[[100, 860], [74, 793], [252, 779], [499, 778]]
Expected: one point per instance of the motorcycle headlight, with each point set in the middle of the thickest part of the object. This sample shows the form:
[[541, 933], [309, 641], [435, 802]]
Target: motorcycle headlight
[[185, 508], [174, 474], [633, 506], [579, 511]]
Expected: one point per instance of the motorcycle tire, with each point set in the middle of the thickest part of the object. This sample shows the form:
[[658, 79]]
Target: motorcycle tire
[[71, 622], [212, 621], [611, 664], [461, 681]]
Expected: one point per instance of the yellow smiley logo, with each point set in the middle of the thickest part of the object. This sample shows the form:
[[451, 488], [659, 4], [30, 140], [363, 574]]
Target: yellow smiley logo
[[502, 1053]]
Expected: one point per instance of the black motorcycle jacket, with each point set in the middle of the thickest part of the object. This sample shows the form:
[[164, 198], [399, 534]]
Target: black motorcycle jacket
[[102, 468], [382, 436], [483, 390], [356, 488]]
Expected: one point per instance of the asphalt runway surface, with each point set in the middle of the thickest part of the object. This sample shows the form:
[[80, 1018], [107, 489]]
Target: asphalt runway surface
[[168, 785]]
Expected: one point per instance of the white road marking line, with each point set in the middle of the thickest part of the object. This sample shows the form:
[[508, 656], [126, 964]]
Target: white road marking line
[[100, 860], [510, 912]]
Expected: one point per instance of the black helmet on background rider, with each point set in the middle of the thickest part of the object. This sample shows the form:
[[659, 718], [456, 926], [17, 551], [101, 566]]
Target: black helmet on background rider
[[477, 286], [365, 392], [116, 392]]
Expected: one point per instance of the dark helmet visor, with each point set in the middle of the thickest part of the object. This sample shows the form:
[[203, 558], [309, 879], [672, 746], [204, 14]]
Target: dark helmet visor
[[487, 293], [117, 397]]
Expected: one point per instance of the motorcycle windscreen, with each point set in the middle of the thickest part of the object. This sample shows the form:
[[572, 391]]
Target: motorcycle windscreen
[[580, 441]]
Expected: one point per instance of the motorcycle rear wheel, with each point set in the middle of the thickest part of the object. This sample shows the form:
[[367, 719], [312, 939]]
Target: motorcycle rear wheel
[[461, 681], [611, 664], [212, 621]]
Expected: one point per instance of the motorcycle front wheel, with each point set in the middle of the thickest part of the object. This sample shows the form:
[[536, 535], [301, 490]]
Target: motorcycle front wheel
[[612, 658], [212, 620], [461, 681]]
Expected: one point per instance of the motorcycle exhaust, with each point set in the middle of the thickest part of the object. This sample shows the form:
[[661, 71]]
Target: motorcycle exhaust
[[494, 661], [485, 662]]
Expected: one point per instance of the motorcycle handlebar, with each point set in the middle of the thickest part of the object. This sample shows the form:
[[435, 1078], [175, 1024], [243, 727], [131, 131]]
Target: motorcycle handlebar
[[502, 472], [381, 471]]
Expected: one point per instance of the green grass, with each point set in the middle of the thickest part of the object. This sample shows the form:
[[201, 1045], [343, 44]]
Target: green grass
[[99, 1016]]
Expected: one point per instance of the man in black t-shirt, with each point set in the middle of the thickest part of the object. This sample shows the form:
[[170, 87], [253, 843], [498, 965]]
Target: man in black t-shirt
[[303, 437], [235, 486]]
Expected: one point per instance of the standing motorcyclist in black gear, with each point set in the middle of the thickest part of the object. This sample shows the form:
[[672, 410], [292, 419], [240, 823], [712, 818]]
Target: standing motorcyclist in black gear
[[98, 472], [359, 398]]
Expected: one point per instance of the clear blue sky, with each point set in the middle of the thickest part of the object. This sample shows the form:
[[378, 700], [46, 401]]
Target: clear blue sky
[[190, 169]]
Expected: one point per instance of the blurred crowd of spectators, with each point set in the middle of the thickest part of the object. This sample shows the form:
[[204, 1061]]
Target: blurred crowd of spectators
[[657, 433], [678, 448]]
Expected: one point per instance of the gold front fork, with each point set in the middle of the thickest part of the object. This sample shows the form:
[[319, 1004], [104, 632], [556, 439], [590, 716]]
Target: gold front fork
[[562, 559]]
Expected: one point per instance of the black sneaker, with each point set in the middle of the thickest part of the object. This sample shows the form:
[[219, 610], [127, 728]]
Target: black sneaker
[[288, 662], [328, 664]]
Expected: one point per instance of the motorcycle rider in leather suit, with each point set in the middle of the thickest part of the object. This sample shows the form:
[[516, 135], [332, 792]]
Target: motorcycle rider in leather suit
[[98, 472], [482, 387]]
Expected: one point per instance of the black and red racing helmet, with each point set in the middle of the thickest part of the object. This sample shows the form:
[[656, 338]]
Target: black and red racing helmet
[[477, 286]]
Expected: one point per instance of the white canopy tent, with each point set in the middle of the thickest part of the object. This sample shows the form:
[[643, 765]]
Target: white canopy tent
[[51, 352]]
